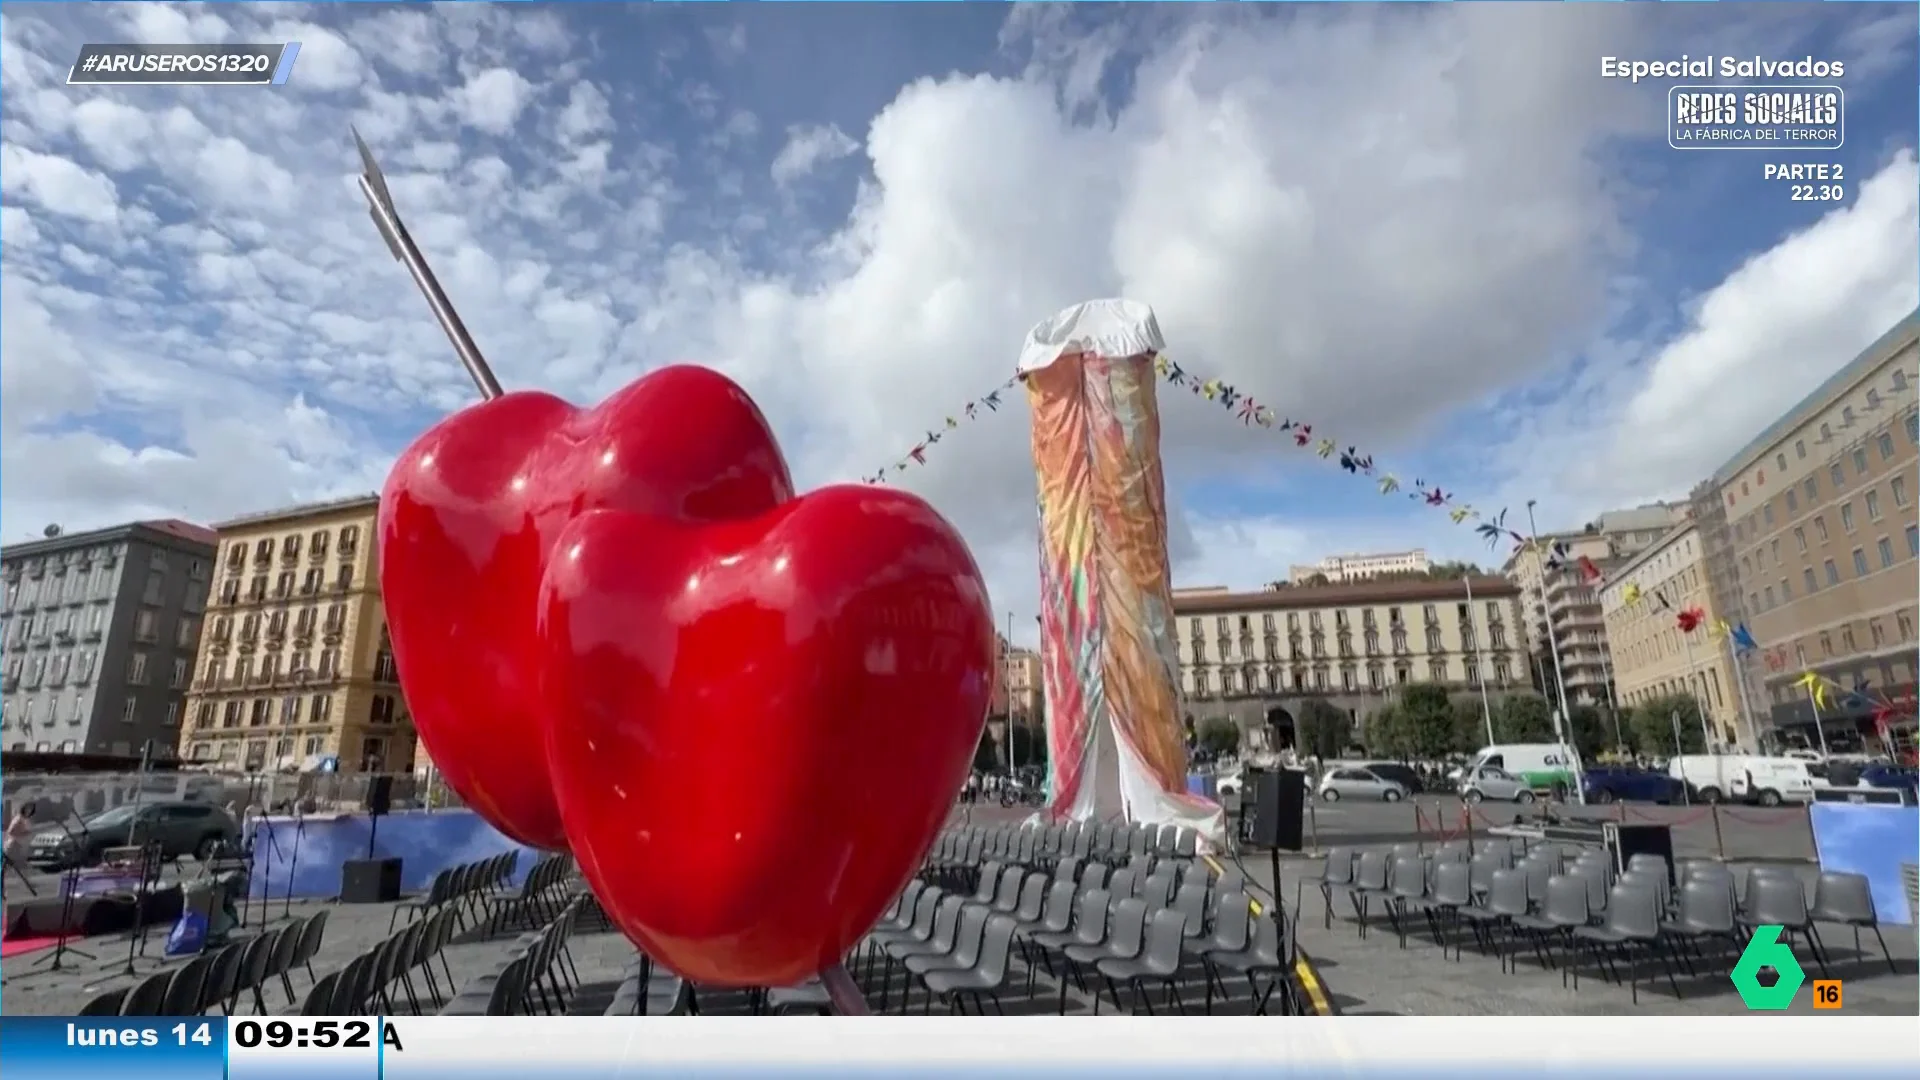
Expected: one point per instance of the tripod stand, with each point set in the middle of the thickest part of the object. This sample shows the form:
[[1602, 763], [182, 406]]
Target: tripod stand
[[21, 874], [69, 886], [151, 855]]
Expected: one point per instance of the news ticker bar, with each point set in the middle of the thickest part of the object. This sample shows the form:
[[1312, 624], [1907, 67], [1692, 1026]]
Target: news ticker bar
[[183, 65], [1756, 117], [1761, 1046]]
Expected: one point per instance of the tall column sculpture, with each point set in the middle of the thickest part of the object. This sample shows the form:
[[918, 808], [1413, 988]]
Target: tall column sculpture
[[1109, 658]]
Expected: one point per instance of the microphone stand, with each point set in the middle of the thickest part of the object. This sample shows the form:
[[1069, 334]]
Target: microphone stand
[[293, 864], [69, 885], [150, 857]]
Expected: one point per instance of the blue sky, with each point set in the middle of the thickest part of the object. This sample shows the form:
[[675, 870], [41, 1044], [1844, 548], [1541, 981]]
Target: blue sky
[[1436, 231]]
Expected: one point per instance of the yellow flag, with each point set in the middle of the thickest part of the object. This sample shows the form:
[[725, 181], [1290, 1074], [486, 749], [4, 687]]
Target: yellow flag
[[1325, 449], [1162, 365], [1719, 630], [1389, 484], [1630, 594], [1460, 514]]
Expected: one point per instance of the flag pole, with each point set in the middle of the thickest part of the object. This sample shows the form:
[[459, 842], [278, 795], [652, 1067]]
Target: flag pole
[[1813, 702], [1699, 696], [1479, 662], [1562, 718], [1746, 700]]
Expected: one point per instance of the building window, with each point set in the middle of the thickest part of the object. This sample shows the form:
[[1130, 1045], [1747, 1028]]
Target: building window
[[1838, 475], [1846, 640], [1859, 562], [137, 669], [1793, 501], [1905, 622], [1833, 572], [1768, 595], [1860, 461], [1800, 539], [1826, 644], [1846, 517], [319, 711], [1885, 547], [1786, 591], [1437, 670], [1820, 528], [1812, 583], [1913, 540], [1885, 443], [129, 709], [1766, 514], [203, 717], [1873, 506], [1800, 448], [1898, 485], [179, 673]]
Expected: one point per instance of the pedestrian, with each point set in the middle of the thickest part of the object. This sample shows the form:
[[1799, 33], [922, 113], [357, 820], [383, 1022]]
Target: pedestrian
[[20, 841]]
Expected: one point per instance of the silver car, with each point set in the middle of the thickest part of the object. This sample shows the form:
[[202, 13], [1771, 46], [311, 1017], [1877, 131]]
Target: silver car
[[1346, 782], [1499, 785]]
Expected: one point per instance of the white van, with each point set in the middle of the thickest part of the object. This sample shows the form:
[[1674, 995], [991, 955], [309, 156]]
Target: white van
[[1768, 781], [1541, 766]]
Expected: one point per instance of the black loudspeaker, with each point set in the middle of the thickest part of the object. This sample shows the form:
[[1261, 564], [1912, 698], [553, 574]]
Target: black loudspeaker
[[369, 881], [1869, 796], [379, 795], [1623, 842], [1279, 809]]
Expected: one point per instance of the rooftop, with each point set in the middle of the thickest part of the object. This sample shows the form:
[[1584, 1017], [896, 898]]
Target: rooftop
[[1355, 594], [167, 532], [369, 501]]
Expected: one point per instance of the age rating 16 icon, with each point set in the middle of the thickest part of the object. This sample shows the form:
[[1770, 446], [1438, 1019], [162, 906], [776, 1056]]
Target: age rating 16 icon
[[1766, 950]]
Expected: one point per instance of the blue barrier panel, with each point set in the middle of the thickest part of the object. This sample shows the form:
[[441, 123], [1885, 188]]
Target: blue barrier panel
[[1874, 841], [307, 853], [1207, 787]]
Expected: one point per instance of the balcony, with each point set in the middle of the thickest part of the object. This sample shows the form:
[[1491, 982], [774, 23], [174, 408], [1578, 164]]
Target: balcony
[[65, 637], [9, 683]]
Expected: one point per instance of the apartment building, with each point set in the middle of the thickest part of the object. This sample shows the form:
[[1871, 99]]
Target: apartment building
[[99, 630], [1251, 657], [1026, 693], [1556, 590], [296, 670], [1822, 536], [1651, 657], [1346, 569]]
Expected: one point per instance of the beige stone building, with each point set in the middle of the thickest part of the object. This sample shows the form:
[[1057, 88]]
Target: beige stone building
[[1026, 693], [295, 666], [1254, 656], [1820, 529], [1651, 657], [1347, 569], [1558, 592]]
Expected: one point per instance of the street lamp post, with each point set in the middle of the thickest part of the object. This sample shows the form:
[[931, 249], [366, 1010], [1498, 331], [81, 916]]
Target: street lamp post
[[1562, 718], [1479, 661]]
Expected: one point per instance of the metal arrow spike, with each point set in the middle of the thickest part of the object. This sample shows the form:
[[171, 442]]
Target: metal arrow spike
[[373, 185]]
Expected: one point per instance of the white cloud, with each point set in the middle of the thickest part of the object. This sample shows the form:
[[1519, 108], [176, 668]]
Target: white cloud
[[807, 148], [492, 99], [58, 185], [1353, 214]]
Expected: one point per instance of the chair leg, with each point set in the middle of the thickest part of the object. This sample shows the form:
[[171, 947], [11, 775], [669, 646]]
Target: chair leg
[[1883, 946], [1818, 947]]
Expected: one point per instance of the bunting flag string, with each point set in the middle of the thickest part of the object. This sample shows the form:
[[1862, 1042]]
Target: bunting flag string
[[1244, 409]]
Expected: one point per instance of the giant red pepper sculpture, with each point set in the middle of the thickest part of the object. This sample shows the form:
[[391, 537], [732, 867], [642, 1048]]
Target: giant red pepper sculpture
[[746, 712]]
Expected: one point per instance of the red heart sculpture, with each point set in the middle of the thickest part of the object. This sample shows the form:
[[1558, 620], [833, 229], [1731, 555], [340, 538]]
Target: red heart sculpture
[[757, 728], [468, 516]]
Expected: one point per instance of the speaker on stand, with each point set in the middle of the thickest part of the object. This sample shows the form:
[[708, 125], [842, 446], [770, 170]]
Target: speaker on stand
[[372, 880], [1278, 821]]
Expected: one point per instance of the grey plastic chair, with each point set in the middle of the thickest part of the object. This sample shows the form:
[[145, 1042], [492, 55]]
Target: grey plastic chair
[[1056, 915], [967, 943], [1507, 907], [1370, 885], [1407, 894], [1126, 930], [107, 1004], [1774, 900], [1123, 883], [1452, 899], [981, 979], [1847, 900], [1094, 877], [989, 881], [1190, 903], [1262, 956], [319, 999], [1705, 913], [1480, 871], [946, 923], [1157, 888], [312, 933], [1633, 921], [1158, 962], [223, 977], [1565, 911], [1006, 895], [1032, 898]]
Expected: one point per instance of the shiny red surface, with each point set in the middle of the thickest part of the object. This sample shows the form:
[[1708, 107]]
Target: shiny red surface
[[756, 728], [468, 517]]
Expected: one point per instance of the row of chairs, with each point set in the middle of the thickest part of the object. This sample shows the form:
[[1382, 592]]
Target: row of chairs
[[222, 979], [466, 887], [366, 985], [959, 850], [1581, 908], [1146, 924], [646, 989], [538, 975]]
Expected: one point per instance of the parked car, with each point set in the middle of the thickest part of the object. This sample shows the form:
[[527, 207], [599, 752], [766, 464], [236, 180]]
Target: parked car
[[180, 828], [1353, 782], [1882, 775], [1487, 782], [1405, 775], [1617, 783]]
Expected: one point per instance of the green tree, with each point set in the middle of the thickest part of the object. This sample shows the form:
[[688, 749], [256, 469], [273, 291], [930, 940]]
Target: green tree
[[1470, 724], [1386, 732], [1524, 718], [985, 757], [1426, 716], [1590, 732], [1321, 729], [1219, 735], [1653, 725]]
